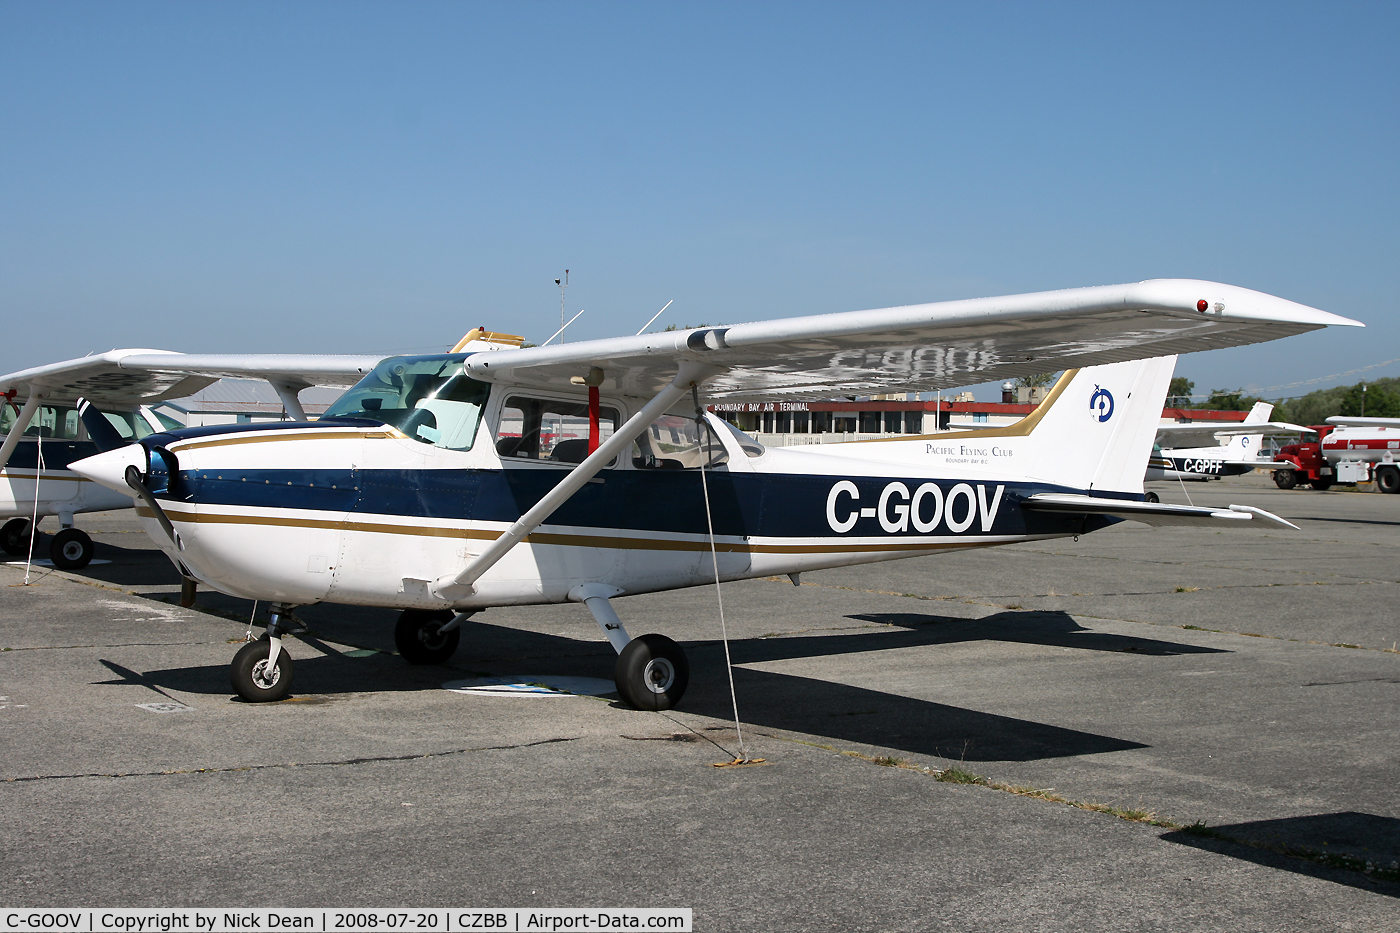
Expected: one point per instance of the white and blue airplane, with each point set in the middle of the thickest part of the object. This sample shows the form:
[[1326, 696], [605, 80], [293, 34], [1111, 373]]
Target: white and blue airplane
[[494, 475], [1202, 452]]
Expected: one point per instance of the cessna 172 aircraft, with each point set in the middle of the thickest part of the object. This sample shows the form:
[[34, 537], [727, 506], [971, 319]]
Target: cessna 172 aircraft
[[1197, 453], [445, 484]]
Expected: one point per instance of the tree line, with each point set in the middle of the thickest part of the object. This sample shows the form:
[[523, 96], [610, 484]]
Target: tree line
[[1379, 398]]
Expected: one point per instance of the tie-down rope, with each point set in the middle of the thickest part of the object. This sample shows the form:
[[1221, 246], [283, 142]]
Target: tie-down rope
[[705, 431], [34, 522]]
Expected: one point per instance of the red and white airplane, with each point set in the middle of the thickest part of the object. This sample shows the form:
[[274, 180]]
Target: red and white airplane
[[445, 484]]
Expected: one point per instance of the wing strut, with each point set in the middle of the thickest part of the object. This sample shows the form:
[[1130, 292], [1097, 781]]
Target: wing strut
[[289, 394], [26, 415], [457, 586]]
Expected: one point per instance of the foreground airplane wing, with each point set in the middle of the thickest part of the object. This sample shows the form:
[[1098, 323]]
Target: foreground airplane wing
[[1156, 514], [921, 347]]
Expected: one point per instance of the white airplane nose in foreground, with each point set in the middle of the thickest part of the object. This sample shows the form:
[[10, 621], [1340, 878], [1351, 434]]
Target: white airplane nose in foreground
[[109, 467]]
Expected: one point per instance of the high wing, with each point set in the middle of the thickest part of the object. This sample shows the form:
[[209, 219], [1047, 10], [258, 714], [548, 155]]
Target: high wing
[[124, 379], [1157, 514], [1203, 435], [919, 347]]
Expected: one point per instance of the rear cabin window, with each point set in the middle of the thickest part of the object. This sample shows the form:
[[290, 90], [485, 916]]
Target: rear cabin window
[[673, 442]]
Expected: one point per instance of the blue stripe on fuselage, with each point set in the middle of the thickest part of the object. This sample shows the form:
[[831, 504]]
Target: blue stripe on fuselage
[[769, 505]]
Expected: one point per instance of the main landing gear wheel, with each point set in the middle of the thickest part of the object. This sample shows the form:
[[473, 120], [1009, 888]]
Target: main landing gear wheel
[[70, 549], [253, 679], [1285, 479], [652, 673], [1388, 479], [14, 537], [420, 638], [1151, 497]]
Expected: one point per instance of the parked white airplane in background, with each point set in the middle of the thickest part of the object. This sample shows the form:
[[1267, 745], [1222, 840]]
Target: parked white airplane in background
[[40, 416], [442, 485], [1201, 452]]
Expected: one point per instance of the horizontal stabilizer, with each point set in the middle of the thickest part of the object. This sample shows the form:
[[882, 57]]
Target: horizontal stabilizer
[[1157, 514]]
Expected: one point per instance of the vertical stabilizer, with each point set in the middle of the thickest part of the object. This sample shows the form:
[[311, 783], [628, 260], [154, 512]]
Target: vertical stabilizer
[[1095, 429]]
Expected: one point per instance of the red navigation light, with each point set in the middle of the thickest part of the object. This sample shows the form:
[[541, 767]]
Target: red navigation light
[[1202, 305]]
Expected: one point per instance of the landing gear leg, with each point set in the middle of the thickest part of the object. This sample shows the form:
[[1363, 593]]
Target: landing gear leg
[[262, 670], [652, 671]]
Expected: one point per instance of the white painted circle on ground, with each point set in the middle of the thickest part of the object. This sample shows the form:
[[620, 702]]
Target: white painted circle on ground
[[532, 686]]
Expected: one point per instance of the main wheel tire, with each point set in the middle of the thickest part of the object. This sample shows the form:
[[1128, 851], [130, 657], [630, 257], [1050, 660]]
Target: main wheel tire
[[70, 549], [1388, 479], [1321, 485], [251, 678], [420, 638], [14, 537], [1151, 497], [652, 673], [1285, 479]]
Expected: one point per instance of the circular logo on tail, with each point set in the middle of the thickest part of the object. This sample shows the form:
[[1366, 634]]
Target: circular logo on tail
[[1101, 404]]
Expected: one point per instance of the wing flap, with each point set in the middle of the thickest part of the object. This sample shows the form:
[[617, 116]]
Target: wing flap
[[1157, 514]]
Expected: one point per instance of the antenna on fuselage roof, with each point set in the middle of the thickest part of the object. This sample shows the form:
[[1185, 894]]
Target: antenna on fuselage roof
[[655, 316]]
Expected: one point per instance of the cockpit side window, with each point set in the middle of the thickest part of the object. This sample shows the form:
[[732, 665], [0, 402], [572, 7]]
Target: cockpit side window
[[548, 429], [429, 398]]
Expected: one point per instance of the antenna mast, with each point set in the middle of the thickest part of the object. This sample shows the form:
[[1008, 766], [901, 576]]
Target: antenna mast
[[562, 324]]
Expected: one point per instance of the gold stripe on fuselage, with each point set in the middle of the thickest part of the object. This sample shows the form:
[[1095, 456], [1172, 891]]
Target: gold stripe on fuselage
[[323, 435], [562, 540]]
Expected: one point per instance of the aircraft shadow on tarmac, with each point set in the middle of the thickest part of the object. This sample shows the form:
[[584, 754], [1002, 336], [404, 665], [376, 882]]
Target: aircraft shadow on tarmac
[[1331, 846], [1054, 629], [769, 699]]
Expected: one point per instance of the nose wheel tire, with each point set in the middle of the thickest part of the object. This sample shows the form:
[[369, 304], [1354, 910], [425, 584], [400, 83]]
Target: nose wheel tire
[[254, 680], [420, 638], [652, 673], [14, 537], [70, 549]]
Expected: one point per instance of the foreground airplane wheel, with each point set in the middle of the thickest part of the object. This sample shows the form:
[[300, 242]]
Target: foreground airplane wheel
[[70, 549], [652, 673], [253, 679], [1285, 479], [14, 537], [1151, 497], [420, 638]]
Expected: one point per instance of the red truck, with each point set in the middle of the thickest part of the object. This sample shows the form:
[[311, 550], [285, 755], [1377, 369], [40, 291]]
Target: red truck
[[1348, 451]]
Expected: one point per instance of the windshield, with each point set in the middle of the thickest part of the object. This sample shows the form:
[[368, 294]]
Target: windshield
[[429, 398]]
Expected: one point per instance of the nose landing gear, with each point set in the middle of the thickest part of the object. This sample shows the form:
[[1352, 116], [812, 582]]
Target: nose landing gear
[[262, 670]]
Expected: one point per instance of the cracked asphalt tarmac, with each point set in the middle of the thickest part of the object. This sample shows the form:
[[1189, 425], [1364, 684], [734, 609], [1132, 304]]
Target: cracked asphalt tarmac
[[1238, 691]]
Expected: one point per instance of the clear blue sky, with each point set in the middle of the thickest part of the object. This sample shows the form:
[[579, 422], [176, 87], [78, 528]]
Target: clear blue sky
[[361, 177]]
